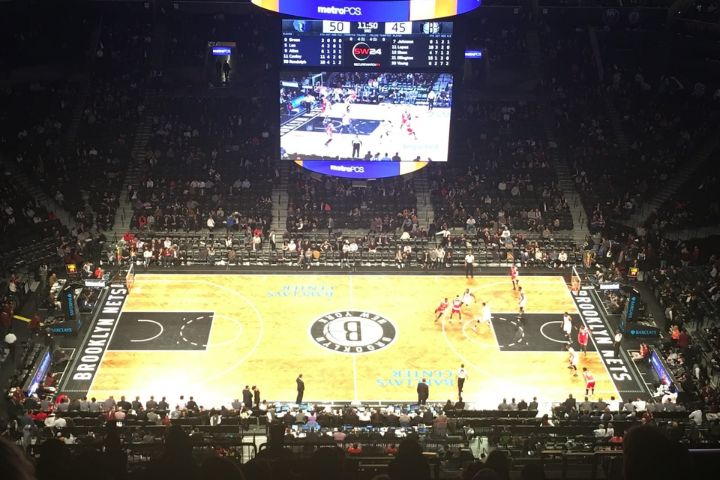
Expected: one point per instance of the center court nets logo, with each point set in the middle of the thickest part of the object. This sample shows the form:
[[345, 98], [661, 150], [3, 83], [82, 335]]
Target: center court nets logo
[[353, 332]]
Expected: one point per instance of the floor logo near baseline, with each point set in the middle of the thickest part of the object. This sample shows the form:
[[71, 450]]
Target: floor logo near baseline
[[619, 370]]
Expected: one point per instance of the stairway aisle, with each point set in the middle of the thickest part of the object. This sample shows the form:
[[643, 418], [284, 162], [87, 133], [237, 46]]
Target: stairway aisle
[[143, 132], [610, 110], [565, 183], [425, 211], [280, 198], [70, 134]]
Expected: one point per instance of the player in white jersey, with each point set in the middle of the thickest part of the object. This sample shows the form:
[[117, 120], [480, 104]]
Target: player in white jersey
[[329, 130], [573, 360], [486, 316], [522, 300], [468, 298], [567, 325], [385, 128]]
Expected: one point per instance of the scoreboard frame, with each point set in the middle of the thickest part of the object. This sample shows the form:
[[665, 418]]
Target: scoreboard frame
[[419, 45]]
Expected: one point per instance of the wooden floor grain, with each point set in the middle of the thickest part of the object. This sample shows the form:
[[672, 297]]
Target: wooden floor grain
[[260, 336]]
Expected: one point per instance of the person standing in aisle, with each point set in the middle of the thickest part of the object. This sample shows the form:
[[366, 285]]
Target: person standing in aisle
[[300, 389]]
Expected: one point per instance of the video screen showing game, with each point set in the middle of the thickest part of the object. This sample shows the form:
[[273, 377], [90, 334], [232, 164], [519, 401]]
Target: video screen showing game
[[365, 116]]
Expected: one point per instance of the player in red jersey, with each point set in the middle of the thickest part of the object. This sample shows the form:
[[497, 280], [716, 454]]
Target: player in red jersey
[[410, 130], [583, 336], [441, 309], [329, 129], [589, 382], [405, 119], [514, 277], [456, 305]]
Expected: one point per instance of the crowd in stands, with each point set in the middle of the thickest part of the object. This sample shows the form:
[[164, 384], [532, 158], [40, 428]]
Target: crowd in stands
[[323, 202], [56, 149], [35, 119], [505, 180], [22, 218], [663, 116], [114, 107], [498, 33], [23, 35], [442, 251], [190, 34], [585, 133], [689, 290], [137, 432], [703, 11], [207, 166], [695, 204]]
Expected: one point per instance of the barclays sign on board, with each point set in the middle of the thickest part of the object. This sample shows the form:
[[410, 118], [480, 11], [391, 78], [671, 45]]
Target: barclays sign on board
[[374, 11]]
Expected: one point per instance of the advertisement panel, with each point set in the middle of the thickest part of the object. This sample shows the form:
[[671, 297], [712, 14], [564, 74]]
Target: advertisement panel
[[376, 11]]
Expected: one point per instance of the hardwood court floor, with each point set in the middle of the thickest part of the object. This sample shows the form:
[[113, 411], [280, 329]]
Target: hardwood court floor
[[260, 334]]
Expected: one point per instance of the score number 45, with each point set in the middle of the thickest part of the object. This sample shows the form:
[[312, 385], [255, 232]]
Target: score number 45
[[398, 28]]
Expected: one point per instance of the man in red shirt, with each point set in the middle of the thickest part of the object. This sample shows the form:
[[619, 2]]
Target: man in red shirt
[[34, 325], [683, 340]]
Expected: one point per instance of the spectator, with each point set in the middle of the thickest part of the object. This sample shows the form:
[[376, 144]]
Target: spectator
[[409, 464]]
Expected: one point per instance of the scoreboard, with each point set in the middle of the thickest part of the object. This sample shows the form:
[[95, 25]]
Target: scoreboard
[[387, 45]]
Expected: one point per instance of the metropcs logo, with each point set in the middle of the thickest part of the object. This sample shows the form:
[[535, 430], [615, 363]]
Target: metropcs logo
[[362, 51], [351, 169], [353, 332], [333, 10]]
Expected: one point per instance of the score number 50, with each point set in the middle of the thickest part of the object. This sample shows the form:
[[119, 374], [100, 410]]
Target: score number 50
[[333, 26]]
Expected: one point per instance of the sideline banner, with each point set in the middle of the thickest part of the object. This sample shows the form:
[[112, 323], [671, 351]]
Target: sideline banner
[[601, 334], [87, 360]]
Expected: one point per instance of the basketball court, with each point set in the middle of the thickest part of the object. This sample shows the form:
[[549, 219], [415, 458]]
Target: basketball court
[[365, 337]]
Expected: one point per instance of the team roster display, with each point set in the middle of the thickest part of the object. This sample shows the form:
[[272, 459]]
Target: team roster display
[[333, 43]]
